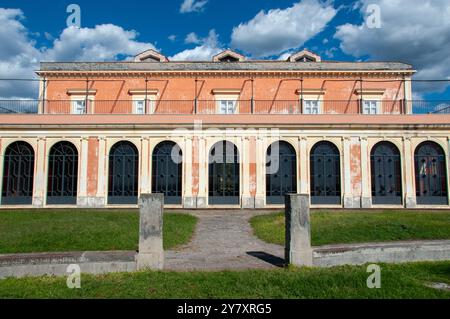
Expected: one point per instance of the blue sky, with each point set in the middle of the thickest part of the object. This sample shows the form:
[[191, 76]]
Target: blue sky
[[411, 31]]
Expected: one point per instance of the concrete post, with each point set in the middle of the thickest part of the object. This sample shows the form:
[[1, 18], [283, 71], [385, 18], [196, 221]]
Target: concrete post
[[151, 253], [298, 249]]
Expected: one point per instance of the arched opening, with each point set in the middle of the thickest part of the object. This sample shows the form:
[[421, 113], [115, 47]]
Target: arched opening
[[325, 166], [431, 174], [224, 174], [18, 174], [281, 172], [62, 174], [386, 174], [167, 171], [123, 174]]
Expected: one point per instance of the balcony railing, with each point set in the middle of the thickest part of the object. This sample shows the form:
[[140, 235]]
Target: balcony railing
[[185, 107]]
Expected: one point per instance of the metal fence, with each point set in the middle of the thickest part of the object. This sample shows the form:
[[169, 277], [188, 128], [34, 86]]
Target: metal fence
[[181, 107]]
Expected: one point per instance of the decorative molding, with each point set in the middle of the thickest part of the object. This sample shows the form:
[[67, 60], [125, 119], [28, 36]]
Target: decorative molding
[[226, 91], [310, 91], [81, 92], [370, 91], [143, 92]]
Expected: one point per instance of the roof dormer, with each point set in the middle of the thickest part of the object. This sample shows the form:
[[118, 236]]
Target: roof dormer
[[305, 56], [228, 56], [150, 56]]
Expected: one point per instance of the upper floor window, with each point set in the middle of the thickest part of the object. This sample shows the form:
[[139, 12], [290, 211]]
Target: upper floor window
[[79, 106], [370, 107], [311, 107], [227, 106], [139, 106]]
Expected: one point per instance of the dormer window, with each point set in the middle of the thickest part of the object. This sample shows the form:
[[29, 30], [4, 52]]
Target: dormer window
[[228, 56], [150, 56], [305, 56]]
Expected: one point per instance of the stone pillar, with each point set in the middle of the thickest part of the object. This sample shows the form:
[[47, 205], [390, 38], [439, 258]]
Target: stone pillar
[[348, 194], [151, 252], [366, 196], [101, 177], [189, 201], [260, 197], [247, 200], [82, 200], [146, 174], [203, 161], [298, 249], [409, 174], [39, 176], [303, 166]]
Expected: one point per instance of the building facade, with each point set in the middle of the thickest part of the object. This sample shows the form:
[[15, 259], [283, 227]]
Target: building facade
[[223, 134]]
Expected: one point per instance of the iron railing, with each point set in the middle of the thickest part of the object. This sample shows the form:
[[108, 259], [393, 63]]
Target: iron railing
[[184, 107]]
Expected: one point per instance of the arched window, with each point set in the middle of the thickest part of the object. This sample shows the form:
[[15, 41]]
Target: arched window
[[224, 174], [386, 174], [62, 174], [281, 172], [18, 174], [167, 172], [325, 174], [431, 174], [123, 174]]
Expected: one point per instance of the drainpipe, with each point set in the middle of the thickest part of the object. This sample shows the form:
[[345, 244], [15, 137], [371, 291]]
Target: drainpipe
[[146, 96], [361, 95], [404, 96], [301, 96], [86, 97], [252, 103], [195, 98], [44, 93]]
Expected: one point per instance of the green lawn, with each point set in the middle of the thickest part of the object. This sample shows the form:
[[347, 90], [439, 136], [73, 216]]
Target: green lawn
[[78, 230], [397, 281], [359, 227]]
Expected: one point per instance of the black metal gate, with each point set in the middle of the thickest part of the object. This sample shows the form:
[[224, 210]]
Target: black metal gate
[[224, 174], [18, 174], [167, 172], [431, 174], [62, 174], [325, 174], [386, 174], [123, 174], [281, 168]]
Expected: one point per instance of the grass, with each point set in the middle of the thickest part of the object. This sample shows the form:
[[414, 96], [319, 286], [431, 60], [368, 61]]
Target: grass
[[83, 230], [359, 227], [397, 281]]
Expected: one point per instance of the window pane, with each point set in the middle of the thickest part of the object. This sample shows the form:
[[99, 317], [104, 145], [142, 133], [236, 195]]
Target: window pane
[[139, 107]]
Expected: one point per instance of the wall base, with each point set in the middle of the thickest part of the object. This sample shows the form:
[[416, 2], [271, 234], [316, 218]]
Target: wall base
[[352, 202], [190, 202], [248, 202], [366, 202]]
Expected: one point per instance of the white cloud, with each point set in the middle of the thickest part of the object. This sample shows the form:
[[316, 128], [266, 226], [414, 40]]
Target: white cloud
[[20, 56], [279, 30], [192, 6], [412, 31], [192, 38], [104, 42], [172, 37], [208, 47]]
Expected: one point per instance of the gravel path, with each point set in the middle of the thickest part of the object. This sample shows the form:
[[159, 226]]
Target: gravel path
[[223, 240]]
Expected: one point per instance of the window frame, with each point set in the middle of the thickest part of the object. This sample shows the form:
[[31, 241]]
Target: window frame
[[370, 100], [89, 106]]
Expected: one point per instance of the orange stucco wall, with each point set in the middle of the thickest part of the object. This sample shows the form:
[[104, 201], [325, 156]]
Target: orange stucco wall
[[184, 88]]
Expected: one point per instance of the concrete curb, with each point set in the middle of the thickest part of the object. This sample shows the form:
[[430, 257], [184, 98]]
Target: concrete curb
[[392, 252]]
